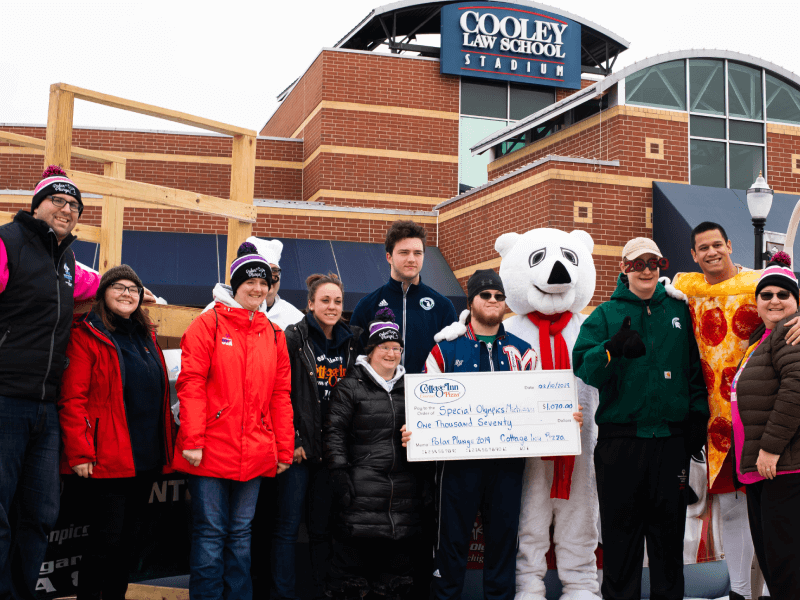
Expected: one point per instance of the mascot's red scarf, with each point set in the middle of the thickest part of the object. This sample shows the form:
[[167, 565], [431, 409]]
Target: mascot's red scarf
[[553, 325]]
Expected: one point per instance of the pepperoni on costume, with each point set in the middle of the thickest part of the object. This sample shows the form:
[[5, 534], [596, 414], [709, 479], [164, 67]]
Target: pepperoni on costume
[[745, 321], [708, 375], [728, 373], [713, 327], [720, 434]]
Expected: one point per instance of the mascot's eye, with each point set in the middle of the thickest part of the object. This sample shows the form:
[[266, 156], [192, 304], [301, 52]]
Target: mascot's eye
[[570, 256], [536, 257]]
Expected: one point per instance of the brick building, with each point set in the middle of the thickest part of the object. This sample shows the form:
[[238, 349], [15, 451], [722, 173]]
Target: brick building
[[382, 127]]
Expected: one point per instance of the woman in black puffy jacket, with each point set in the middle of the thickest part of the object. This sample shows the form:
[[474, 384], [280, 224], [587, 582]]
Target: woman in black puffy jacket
[[379, 492]]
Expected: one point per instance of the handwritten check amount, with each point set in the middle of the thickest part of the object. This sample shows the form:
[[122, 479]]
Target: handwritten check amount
[[456, 416]]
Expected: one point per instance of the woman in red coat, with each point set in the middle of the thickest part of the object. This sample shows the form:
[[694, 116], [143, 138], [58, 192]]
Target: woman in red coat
[[117, 428], [236, 425]]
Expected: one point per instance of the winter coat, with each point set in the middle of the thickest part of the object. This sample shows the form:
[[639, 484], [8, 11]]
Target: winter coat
[[234, 394], [362, 435], [467, 354], [651, 396], [420, 311], [91, 408], [39, 283], [768, 398], [305, 400], [282, 313]]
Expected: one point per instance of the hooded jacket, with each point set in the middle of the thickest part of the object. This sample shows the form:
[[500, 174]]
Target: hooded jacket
[[92, 409], [768, 399], [420, 311], [305, 400], [362, 435], [281, 313], [646, 397], [234, 394]]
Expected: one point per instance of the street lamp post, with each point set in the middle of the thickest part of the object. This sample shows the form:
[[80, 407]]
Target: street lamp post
[[759, 201]]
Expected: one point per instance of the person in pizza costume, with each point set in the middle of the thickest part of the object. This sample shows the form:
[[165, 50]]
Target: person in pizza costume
[[549, 277], [721, 301]]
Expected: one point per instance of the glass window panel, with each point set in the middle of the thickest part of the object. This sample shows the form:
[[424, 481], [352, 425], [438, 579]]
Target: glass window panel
[[746, 162], [472, 169], [484, 99], [708, 163], [707, 127], [707, 86], [783, 101], [526, 100], [663, 86], [744, 91], [744, 131]]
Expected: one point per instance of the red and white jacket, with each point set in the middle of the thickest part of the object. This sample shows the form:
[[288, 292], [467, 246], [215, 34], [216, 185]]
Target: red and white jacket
[[234, 395]]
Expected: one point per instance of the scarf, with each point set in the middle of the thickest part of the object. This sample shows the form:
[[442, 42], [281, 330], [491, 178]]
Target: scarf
[[548, 325]]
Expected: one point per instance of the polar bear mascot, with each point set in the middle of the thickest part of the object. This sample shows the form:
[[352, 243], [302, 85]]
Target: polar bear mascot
[[549, 277]]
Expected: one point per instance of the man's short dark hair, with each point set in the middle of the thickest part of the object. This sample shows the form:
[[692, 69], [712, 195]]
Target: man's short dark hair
[[708, 226], [401, 230]]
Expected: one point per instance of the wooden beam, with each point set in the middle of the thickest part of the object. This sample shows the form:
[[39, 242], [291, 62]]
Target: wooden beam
[[58, 144], [111, 223], [164, 197], [85, 233], [31, 142], [154, 111], [243, 170], [172, 321]]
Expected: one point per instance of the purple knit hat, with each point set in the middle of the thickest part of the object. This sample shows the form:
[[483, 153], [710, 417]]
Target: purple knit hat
[[249, 264], [384, 329], [55, 181]]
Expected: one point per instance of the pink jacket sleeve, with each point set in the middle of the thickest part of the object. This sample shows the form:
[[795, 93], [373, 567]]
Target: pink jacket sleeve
[[3, 267], [86, 282]]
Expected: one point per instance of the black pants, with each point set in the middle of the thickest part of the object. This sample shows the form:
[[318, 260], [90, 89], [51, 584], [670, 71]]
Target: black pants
[[464, 486], [642, 485], [374, 559], [773, 507], [113, 507]]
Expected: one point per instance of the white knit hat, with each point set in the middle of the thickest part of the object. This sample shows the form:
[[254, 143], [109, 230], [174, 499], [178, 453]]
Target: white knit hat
[[269, 249]]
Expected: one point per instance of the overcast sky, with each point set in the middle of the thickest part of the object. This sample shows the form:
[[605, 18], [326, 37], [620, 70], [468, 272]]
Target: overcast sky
[[228, 60]]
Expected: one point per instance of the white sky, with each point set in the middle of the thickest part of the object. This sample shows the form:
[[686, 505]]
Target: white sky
[[227, 61]]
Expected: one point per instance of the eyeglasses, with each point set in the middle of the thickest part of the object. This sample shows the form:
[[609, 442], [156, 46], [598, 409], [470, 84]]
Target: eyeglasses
[[767, 296], [121, 289], [276, 274], [488, 296], [639, 264], [60, 202], [389, 349]]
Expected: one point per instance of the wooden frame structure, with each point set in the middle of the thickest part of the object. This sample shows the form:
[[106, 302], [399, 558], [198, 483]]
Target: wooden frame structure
[[115, 189]]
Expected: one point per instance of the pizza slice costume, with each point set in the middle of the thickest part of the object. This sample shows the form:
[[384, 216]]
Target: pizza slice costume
[[723, 315]]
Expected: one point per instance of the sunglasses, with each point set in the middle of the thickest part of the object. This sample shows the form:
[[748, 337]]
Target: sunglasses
[[488, 296], [639, 264], [767, 296]]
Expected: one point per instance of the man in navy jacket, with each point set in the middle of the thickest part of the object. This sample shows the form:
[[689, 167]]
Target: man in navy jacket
[[421, 311]]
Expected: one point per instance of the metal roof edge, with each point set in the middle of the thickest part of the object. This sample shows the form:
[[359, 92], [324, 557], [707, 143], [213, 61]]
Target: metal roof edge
[[528, 167], [301, 205]]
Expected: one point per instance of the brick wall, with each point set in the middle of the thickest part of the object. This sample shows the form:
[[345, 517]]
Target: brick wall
[[783, 170]]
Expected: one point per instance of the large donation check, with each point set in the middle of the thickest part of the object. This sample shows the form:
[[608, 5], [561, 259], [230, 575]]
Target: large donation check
[[492, 415]]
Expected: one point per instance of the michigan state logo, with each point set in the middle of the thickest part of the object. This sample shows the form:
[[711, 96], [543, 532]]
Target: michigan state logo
[[426, 303]]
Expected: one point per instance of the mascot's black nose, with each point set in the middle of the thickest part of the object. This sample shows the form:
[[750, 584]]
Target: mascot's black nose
[[559, 274]]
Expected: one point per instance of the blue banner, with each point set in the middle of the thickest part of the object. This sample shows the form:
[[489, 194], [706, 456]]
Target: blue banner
[[511, 42]]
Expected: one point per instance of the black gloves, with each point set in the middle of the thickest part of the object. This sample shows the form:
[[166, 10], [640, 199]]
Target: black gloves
[[342, 487], [626, 342]]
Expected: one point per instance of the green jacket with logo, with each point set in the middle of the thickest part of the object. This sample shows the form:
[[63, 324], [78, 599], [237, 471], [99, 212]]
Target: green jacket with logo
[[649, 396]]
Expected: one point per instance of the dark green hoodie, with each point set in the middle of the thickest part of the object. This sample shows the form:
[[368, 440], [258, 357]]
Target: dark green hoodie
[[643, 396]]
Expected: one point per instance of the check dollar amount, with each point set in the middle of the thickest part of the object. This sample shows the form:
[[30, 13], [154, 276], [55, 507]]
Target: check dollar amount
[[491, 415]]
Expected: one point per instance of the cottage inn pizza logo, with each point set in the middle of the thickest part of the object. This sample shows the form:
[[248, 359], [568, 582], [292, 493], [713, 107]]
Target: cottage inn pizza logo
[[440, 391]]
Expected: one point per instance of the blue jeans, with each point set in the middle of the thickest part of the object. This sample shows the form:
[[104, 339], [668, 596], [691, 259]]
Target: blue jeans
[[300, 481], [29, 454], [219, 562]]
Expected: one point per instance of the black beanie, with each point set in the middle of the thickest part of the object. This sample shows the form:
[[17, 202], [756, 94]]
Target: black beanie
[[55, 181], [114, 274], [483, 279], [249, 264]]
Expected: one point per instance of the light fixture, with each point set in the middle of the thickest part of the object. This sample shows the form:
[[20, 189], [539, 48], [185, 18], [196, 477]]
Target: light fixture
[[759, 201]]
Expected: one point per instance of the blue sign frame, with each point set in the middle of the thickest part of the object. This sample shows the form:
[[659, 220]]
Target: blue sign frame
[[510, 42]]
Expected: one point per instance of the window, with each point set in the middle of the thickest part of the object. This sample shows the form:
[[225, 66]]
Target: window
[[708, 163], [744, 91], [487, 107], [783, 101], [661, 85], [707, 86]]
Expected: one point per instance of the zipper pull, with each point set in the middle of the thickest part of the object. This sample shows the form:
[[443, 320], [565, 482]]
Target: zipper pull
[[219, 414], [89, 425], [648, 311]]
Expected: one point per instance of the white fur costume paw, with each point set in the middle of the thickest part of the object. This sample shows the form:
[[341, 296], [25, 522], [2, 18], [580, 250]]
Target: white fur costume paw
[[552, 272], [454, 330], [672, 291]]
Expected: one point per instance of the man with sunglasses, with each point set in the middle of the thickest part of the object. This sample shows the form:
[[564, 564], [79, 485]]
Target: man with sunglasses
[[39, 284], [638, 349], [493, 485]]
